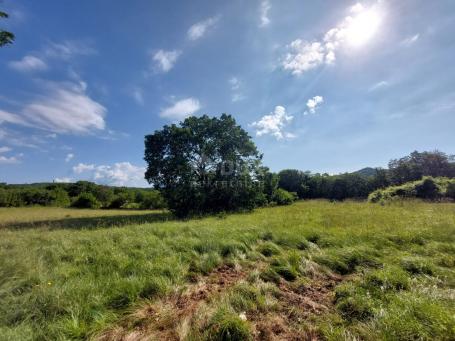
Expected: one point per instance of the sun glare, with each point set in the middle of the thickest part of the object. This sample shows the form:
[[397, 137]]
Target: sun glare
[[363, 27]]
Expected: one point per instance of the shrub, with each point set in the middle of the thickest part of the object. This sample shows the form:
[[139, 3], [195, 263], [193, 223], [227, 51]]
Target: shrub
[[428, 189], [450, 192], [283, 197], [150, 200], [86, 200]]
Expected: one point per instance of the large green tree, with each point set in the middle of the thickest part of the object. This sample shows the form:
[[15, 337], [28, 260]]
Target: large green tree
[[5, 36], [204, 164]]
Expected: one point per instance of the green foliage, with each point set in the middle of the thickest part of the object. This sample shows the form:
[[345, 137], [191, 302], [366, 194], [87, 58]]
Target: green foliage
[[204, 165], [417, 266], [5, 36], [60, 283], [269, 249], [427, 188], [61, 195], [417, 165], [227, 326], [86, 200], [283, 197]]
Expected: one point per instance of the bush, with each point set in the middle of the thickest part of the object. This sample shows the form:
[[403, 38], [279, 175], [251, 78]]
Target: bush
[[86, 200], [150, 200], [426, 188], [283, 197], [450, 192]]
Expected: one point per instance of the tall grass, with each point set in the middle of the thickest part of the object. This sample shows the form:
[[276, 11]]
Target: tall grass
[[71, 283]]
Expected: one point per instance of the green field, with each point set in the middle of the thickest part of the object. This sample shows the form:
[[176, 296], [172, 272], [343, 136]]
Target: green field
[[314, 269]]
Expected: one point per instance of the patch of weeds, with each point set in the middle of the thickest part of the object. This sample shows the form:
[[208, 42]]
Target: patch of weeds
[[206, 246], [245, 297], [411, 317], [388, 279], [446, 261], [203, 264], [287, 272], [232, 248], [267, 236], [344, 261], [313, 237], [153, 288], [270, 275], [354, 303], [269, 249], [293, 242], [225, 325], [417, 266]]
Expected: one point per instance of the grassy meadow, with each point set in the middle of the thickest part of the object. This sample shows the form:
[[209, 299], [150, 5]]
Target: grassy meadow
[[312, 270]]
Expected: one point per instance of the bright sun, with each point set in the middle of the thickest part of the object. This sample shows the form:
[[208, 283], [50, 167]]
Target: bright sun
[[363, 27]]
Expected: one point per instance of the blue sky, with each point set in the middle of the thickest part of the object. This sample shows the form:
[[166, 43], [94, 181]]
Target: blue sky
[[327, 86]]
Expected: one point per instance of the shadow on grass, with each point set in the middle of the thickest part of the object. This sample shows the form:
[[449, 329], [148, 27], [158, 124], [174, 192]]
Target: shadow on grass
[[89, 223]]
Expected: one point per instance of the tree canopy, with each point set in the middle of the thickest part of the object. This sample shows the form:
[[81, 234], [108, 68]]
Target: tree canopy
[[5, 36], [418, 164], [204, 164]]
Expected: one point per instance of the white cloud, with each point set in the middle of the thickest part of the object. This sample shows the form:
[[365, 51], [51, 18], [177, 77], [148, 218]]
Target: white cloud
[[69, 157], [236, 85], [305, 56], [8, 160], [8, 117], [138, 95], [63, 180], [165, 60], [181, 109], [355, 29], [273, 124], [28, 63], [119, 174], [62, 108], [313, 104], [4, 149], [378, 86], [264, 13], [68, 49], [410, 40], [82, 167], [199, 29]]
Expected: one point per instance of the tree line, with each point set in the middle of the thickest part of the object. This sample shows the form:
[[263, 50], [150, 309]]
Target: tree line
[[82, 194], [206, 165]]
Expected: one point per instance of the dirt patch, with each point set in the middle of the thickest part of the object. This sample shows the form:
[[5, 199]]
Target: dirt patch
[[171, 318], [297, 304], [168, 319]]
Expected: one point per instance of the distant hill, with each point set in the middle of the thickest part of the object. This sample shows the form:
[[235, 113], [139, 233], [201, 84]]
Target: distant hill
[[367, 171]]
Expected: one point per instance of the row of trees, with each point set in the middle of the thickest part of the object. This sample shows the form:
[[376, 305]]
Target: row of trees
[[360, 184], [81, 194], [208, 165]]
